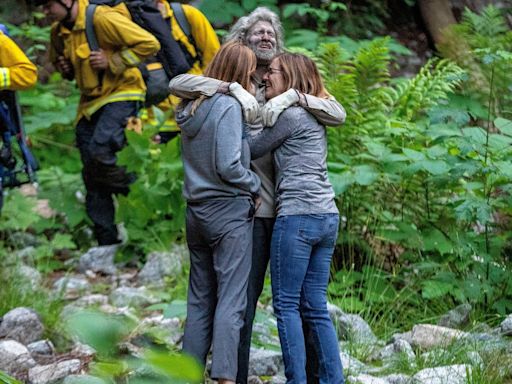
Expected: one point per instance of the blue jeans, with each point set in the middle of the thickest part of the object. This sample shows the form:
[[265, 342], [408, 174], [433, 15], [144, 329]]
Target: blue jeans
[[301, 252]]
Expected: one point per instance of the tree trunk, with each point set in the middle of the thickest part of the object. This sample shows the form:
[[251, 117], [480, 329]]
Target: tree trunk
[[437, 15]]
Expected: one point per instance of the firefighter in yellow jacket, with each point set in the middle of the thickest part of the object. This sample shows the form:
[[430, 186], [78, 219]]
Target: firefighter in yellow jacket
[[17, 72], [205, 46], [112, 89]]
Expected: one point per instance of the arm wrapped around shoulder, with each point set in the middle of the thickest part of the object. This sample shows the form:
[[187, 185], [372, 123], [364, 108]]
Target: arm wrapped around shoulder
[[248, 102], [273, 108]]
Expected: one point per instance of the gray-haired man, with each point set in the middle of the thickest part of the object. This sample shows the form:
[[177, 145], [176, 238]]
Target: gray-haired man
[[262, 31]]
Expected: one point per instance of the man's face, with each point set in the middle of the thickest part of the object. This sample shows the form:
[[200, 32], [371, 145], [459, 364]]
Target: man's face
[[54, 11], [261, 38]]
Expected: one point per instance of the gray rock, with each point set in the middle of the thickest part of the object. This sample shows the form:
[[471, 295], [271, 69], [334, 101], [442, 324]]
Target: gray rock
[[99, 259], [398, 379], [264, 362], [254, 380], [366, 379], [83, 379], [334, 312], [278, 380], [457, 317], [83, 351], [475, 360], [354, 328], [158, 266], [390, 351], [71, 285], [41, 348], [172, 331], [351, 365], [427, 336], [21, 324], [31, 275], [23, 240], [53, 373], [506, 325], [407, 336], [91, 300], [129, 296], [452, 374], [14, 357], [26, 255]]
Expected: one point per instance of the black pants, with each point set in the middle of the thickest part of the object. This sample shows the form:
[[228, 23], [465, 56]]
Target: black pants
[[98, 140], [262, 236]]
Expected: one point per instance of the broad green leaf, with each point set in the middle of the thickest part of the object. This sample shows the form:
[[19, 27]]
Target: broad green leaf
[[177, 308], [413, 155], [63, 241], [434, 240], [433, 289], [435, 167], [365, 174], [504, 125]]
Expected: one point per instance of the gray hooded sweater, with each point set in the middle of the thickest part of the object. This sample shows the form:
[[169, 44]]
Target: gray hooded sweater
[[215, 155]]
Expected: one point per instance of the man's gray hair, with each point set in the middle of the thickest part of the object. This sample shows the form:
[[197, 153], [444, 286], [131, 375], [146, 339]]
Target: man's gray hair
[[240, 29]]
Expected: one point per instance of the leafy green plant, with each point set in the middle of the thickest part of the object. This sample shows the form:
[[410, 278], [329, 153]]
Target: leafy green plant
[[154, 365], [6, 379], [153, 212], [420, 184]]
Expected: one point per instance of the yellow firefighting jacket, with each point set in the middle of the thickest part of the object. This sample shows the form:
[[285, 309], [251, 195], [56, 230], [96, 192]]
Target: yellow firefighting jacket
[[206, 41], [16, 70], [125, 44]]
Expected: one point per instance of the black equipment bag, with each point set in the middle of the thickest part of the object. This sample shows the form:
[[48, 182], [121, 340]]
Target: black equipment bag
[[173, 61]]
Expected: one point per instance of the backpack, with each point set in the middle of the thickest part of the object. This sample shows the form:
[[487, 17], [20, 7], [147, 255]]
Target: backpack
[[172, 59]]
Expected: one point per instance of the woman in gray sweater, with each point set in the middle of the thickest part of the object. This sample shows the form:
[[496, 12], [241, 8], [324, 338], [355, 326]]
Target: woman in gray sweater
[[306, 228], [220, 190]]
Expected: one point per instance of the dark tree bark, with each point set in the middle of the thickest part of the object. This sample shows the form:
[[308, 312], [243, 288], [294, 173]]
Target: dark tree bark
[[437, 15]]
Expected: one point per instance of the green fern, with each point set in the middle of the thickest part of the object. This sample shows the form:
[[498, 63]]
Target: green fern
[[463, 43], [432, 84]]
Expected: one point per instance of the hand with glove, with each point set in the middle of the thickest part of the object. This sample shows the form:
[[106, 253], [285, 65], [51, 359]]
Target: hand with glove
[[248, 102], [273, 108]]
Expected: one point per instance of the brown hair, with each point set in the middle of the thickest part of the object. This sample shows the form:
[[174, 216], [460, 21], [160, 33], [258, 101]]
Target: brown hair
[[234, 62], [300, 72]]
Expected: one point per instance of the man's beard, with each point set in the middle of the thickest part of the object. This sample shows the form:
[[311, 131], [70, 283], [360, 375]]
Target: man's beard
[[263, 54]]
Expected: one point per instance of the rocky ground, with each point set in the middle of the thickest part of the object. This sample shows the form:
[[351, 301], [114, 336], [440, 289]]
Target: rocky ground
[[426, 354]]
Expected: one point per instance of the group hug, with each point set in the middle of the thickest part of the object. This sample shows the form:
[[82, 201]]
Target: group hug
[[254, 150]]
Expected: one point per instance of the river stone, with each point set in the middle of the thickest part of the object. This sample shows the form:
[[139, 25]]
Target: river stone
[[355, 329], [390, 351], [506, 325], [366, 379], [351, 364], [427, 336], [31, 275], [70, 285], [82, 379], [99, 259], [14, 357], [457, 317], [264, 362], [91, 300], [21, 324], [130, 296], [254, 380], [452, 374], [398, 379], [53, 373], [160, 265], [41, 348]]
